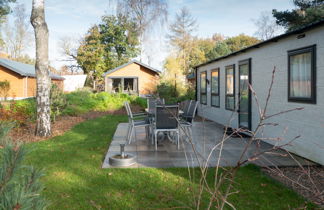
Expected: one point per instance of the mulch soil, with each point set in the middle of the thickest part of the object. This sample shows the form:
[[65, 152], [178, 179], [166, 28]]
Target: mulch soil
[[307, 181], [61, 125]]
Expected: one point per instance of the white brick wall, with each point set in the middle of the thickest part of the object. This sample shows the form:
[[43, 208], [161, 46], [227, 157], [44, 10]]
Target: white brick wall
[[309, 123]]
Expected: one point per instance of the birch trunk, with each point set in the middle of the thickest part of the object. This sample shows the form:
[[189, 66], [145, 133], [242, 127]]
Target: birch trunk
[[43, 122]]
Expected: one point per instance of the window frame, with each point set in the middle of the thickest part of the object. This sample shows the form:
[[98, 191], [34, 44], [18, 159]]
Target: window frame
[[211, 86], [312, 98], [203, 72], [229, 95]]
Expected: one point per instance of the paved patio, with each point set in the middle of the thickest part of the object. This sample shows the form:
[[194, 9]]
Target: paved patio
[[205, 136]]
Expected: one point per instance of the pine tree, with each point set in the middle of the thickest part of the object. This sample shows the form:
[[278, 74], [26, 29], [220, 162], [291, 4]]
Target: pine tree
[[20, 187], [306, 12]]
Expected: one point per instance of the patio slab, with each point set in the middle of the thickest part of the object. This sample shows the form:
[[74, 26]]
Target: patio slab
[[205, 136]]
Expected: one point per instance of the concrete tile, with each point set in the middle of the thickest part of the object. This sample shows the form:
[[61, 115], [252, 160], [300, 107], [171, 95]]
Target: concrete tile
[[205, 136], [155, 164]]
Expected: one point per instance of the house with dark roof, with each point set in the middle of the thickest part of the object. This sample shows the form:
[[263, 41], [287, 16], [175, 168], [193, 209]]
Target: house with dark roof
[[223, 89], [133, 77], [22, 79]]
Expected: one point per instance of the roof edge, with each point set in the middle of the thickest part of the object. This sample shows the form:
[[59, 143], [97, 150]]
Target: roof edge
[[131, 62], [274, 39]]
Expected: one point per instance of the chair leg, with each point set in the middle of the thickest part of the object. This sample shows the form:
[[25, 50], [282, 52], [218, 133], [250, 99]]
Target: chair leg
[[128, 133], [178, 139], [155, 140], [134, 131]]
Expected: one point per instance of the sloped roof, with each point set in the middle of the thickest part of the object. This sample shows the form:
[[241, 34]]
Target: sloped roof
[[23, 69], [133, 61], [268, 41]]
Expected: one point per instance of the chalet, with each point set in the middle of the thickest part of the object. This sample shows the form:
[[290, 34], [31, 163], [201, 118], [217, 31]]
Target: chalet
[[22, 79], [133, 77], [298, 56]]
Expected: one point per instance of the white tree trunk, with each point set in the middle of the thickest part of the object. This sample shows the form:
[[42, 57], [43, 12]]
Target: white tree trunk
[[43, 123]]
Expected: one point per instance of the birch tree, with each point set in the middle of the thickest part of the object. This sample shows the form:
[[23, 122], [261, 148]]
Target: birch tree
[[43, 122]]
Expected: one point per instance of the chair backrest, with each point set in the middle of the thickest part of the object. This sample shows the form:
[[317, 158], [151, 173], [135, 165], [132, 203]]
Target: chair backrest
[[128, 109], [192, 110], [186, 107], [160, 101], [151, 104], [166, 117]]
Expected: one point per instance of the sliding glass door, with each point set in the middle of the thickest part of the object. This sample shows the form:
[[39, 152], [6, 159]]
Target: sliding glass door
[[244, 94]]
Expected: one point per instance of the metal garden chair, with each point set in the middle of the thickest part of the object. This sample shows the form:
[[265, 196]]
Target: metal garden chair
[[187, 118], [166, 121], [134, 122]]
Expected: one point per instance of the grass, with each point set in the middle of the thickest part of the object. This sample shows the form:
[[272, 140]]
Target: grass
[[74, 178]]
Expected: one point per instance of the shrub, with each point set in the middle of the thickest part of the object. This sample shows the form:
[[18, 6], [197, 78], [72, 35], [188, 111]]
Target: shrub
[[58, 101], [4, 89], [172, 95]]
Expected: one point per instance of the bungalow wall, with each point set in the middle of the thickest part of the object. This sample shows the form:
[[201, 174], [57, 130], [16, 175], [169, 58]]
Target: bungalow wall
[[22, 87], [308, 123], [17, 82], [147, 80]]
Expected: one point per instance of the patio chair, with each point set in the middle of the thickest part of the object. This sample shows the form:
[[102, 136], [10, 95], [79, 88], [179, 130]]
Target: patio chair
[[187, 118], [166, 121], [185, 107], [134, 123], [151, 104]]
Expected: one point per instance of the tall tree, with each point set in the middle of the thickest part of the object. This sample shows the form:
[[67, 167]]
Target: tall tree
[[91, 55], [4, 7], [266, 26], [241, 41], [4, 11], [306, 12], [181, 36], [18, 38], [145, 13], [43, 121], [107, 45], [69, 49]]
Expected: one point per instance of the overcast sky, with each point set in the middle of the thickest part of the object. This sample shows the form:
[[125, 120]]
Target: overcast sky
[[228, 17]]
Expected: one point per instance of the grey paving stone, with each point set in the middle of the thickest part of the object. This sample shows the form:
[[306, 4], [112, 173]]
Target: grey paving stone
[[205, 136]]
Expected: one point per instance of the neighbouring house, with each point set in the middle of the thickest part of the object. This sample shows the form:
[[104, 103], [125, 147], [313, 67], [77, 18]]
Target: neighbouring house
[[191, 79], [22, 79], [298, 56], [73, 82], [133, 77]]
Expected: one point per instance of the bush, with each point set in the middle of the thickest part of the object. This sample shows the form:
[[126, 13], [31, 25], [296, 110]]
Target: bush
[[58, 101], [80, 102], [172, 95], [4, 89]]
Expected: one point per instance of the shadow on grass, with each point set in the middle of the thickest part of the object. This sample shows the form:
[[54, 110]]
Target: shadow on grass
[[74, 178]]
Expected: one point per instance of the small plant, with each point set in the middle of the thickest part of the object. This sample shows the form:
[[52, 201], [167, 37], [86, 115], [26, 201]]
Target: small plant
[[20, 187], [4, 89], [58, 101]]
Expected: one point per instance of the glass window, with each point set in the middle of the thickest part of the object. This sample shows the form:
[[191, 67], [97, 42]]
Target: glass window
[[128, 84], [301, 75], [215, 88], [117, 85], [203, 88], [230, 88]]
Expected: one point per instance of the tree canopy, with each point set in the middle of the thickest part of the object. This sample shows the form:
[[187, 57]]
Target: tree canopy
[[306, 12], [107, 45]]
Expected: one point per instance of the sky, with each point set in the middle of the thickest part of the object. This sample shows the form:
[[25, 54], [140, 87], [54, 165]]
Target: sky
[[72, 18]]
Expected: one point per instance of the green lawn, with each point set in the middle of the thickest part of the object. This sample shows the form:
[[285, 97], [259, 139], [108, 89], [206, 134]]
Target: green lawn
[[74, 178]]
